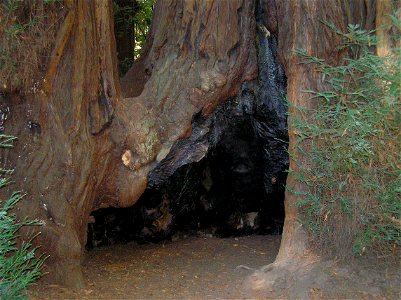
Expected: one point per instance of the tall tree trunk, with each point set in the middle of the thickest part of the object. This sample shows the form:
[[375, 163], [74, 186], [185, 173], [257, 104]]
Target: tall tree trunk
[[385, 27], [63, 152], [300, 27]]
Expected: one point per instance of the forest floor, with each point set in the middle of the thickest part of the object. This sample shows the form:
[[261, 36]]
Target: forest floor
[[207, 268]]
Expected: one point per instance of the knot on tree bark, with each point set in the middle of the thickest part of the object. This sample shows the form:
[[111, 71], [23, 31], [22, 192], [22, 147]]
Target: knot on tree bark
[[130, 161]]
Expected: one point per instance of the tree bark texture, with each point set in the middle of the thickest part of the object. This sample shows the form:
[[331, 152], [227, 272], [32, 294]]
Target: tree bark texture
[[199, 55], [62, 155], [301, 28], [82, 146]]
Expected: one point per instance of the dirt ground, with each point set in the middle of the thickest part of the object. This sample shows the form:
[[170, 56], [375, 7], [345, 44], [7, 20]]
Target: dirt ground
[[207, 268]]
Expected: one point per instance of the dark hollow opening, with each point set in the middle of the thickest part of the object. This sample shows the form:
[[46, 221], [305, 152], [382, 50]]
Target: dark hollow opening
[[221, 195]]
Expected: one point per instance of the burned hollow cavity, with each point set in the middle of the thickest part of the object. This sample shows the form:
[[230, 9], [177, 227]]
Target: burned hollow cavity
[[226, 179]]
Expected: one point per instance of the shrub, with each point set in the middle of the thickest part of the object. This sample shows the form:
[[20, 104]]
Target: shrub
[[353, 180], [19, 266]]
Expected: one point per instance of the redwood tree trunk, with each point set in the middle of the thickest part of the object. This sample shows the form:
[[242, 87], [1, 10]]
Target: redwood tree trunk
[[69, 159], [86, 147], [300, 27], [63, 149]]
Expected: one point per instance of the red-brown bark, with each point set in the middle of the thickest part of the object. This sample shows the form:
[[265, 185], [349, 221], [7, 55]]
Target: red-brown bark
[[301, 27], [62, 154]]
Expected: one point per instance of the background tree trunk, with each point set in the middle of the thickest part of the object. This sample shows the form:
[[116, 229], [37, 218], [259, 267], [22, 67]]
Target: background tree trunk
[[81, 146], [124, 31]]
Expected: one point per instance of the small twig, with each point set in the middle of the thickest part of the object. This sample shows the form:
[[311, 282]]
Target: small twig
[[244, 267], [267, 268]]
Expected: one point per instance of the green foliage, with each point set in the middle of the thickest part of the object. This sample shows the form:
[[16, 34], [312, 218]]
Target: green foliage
[[353, 178], [18, 265]]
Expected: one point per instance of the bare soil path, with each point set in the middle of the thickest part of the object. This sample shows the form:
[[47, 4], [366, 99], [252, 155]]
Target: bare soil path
[[206, 268], [196, 268]]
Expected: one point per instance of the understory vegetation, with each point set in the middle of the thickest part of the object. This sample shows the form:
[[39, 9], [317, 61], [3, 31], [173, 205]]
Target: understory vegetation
[[353, 177], [27, 34], [19, 264]]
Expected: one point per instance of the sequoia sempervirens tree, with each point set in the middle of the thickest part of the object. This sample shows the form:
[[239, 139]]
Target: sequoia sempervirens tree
[[88, 139]]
